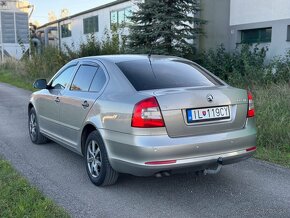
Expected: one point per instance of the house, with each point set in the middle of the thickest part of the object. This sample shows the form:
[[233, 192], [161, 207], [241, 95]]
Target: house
[[75, 29], [265, 23], [14, 30]]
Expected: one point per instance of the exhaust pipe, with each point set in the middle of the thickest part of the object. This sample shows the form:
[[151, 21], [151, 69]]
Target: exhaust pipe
[[162, 174]]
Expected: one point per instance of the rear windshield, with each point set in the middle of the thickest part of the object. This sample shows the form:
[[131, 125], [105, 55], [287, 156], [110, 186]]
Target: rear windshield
[[165, 74]]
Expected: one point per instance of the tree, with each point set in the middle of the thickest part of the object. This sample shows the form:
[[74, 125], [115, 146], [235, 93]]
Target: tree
[[51, 16], [165, 27], [64, 13]]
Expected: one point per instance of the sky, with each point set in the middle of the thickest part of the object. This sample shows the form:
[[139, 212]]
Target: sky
[[42, 7]]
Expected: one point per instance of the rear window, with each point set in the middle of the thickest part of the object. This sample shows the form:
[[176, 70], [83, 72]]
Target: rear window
[[165, 74]]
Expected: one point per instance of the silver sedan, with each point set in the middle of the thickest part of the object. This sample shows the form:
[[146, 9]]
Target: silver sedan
[[143, 115]]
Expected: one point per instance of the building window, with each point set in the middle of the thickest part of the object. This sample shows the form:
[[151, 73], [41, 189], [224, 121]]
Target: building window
[[22, 34], [66, 30], [256, 35], [8, 28], [121, 17], [288, 33], [91, 24]]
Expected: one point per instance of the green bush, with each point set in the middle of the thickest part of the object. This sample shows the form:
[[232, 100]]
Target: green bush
[[51, 59], [110, 44], [44, 65], [246, 66], [279, 69]]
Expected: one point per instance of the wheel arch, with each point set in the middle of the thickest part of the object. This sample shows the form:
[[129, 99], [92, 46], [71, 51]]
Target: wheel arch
[[30, 105], [88, 128]]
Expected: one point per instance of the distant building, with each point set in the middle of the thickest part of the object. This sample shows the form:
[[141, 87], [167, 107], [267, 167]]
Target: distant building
[[265, 23], [230, 22], [75, 29], [14, 30]]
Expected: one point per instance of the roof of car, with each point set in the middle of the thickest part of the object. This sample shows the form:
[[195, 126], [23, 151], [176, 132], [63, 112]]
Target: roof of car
[[129, 57]]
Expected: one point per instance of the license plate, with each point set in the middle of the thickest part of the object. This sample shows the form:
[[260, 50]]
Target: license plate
[[207, 114]]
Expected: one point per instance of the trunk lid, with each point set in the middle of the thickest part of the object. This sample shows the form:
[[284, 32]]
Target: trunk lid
[[174, 104]]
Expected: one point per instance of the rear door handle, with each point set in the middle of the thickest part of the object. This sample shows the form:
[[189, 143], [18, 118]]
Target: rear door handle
[[57, 100], [85, 104]]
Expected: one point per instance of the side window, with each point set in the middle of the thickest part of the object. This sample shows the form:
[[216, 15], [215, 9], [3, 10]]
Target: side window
[[98, 81], [83, 78], [63, 79]]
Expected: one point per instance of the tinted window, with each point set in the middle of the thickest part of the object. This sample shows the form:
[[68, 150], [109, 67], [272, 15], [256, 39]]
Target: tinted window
[[65, 30], [83, 78], [63, 79], [91, 24], [98, 81], [164, 74], [256, 35]]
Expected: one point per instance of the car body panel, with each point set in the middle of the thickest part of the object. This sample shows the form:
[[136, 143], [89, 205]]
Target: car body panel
[[110, 112], [48, 110], [125, 149]]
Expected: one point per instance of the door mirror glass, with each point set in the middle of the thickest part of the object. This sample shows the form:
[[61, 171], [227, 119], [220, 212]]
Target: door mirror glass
[[40, 84]]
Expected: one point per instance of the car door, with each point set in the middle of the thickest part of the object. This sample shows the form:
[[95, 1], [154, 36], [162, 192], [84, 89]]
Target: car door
[[79, 98], [48, 103]]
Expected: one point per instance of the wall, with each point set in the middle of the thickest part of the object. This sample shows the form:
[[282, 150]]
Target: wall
[[254, 14], [217, 15], [279, 44], [104, 23], [254, 11]]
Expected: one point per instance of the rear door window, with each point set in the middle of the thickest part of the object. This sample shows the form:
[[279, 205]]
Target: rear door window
[[165, 74], [83, 78], [98, 81]]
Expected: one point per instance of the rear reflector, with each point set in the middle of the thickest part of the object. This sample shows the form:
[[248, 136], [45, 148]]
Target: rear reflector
[[160, 162], [251, 149], [251, 109], [147, 114]]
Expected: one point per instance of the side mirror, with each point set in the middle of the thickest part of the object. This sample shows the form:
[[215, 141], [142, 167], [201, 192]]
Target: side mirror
[[40, 84]]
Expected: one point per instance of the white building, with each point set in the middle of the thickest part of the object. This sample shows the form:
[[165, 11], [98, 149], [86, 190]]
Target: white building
[[73, 30], [230, 22], [265, 22], [14, 31]]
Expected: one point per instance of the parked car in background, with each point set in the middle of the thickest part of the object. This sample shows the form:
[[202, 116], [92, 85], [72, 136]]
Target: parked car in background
[[143, 115]]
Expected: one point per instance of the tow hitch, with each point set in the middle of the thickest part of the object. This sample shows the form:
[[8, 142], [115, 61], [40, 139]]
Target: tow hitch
[[214, 171]]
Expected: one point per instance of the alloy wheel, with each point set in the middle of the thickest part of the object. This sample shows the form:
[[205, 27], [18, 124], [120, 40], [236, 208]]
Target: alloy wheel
[[32, 126], [94, 159]]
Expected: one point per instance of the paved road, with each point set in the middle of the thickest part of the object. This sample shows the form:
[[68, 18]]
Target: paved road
[[249, 189]]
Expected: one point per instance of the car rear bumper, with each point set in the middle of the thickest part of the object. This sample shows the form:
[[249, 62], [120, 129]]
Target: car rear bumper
[[129, 153]]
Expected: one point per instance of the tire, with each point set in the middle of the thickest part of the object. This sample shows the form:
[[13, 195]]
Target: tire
[[33, 128], [97, 163]]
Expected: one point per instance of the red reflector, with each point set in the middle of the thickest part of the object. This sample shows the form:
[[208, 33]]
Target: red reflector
[[251, 149], [160, 162]]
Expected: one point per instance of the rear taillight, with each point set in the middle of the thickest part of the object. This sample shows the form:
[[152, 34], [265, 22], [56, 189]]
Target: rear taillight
[[147, 114], [251, 109]]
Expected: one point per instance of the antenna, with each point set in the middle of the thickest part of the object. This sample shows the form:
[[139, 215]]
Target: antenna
[[154, 44], [150, 53]]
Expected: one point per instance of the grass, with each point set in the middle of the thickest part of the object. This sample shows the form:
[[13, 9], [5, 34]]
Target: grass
[[273, 123], [19, 199], [15, 80]]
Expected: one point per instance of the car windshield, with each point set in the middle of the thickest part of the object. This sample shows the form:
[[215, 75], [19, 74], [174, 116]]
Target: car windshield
[[164, 74]]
